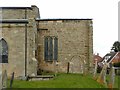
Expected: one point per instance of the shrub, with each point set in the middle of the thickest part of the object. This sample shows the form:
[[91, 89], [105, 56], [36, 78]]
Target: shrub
[[116, 64], [99, 69]]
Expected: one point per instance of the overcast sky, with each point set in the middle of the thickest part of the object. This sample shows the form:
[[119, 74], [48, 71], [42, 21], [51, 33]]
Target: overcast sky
[[103, 12]]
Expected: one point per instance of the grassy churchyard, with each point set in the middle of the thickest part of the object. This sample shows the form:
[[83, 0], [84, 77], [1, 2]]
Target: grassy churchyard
[[60, 81]]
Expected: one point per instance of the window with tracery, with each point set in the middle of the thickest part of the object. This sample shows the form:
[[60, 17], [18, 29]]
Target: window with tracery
[[3, 51], [50, 48]]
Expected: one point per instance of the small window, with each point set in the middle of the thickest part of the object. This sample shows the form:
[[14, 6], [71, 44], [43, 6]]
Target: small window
[[3, 51], [50, 48]]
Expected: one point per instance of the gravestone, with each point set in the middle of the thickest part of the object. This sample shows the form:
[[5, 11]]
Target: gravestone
[[68, 65], [0, 76], [102, 77], [76, 65], [11, 81], [95, 71], [0, 51], [4, 79], [112, 78]]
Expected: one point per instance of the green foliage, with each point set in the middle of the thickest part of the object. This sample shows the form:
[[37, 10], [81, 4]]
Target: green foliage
[[116, 46], [116, 64], [60, 81], [99, 69]]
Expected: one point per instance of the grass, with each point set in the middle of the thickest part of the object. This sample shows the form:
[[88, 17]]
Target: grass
[[116, 81], [60, 81]]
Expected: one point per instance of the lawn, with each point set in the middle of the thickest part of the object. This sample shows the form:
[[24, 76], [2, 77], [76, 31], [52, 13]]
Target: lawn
[[116, 82], [60, 81]]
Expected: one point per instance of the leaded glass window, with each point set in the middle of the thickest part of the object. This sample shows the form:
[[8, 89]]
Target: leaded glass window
[[3, 51], [50, 48]]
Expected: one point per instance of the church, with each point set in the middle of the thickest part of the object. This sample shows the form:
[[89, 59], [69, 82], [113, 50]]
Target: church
[[30, 45]]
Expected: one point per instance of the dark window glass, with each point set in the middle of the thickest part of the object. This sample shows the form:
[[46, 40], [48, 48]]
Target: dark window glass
[[3, 51], [46, 48], [55, 48], [51, 48]]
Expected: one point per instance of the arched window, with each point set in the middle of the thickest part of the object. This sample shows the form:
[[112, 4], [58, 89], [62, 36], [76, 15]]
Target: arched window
[[3, 51]]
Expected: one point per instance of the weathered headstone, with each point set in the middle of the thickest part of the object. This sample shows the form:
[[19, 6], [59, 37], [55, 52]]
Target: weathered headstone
[[102, 77], [95, 71], [4, 79], [68, 65], [76, 65], [11, 81], [112, 78], [0, 51], [0, 76]]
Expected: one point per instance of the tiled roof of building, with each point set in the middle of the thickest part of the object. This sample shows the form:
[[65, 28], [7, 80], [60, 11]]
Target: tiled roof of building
[[97, 58]]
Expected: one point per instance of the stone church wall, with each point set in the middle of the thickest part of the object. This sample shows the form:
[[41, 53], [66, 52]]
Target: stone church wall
[[74, 44], [15, 38], [15, 34], [20, 12]]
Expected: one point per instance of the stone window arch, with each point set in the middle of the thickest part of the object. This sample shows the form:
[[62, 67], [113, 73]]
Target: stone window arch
[[3, 51]]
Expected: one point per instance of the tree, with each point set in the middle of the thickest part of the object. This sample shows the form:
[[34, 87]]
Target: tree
[[116, 46]]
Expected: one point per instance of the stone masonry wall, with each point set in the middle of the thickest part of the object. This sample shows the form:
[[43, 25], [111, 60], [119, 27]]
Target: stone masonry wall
[[31, 48], [14, 34], [20, 13], [74, 44], [15, 38]]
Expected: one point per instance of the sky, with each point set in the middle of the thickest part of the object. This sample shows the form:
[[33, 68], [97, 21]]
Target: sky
[[103, 12]]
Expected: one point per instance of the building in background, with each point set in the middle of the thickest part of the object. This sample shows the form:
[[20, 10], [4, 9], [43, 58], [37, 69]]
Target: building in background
[[111, 58], [97, 57]]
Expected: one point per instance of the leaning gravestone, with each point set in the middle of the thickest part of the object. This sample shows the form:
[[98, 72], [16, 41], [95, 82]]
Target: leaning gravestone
[[0, 51], [11, 81], [0, 76], [0, 83], [112, 78], [102, 77], [95, 71], [68, 65], [4, 79]]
